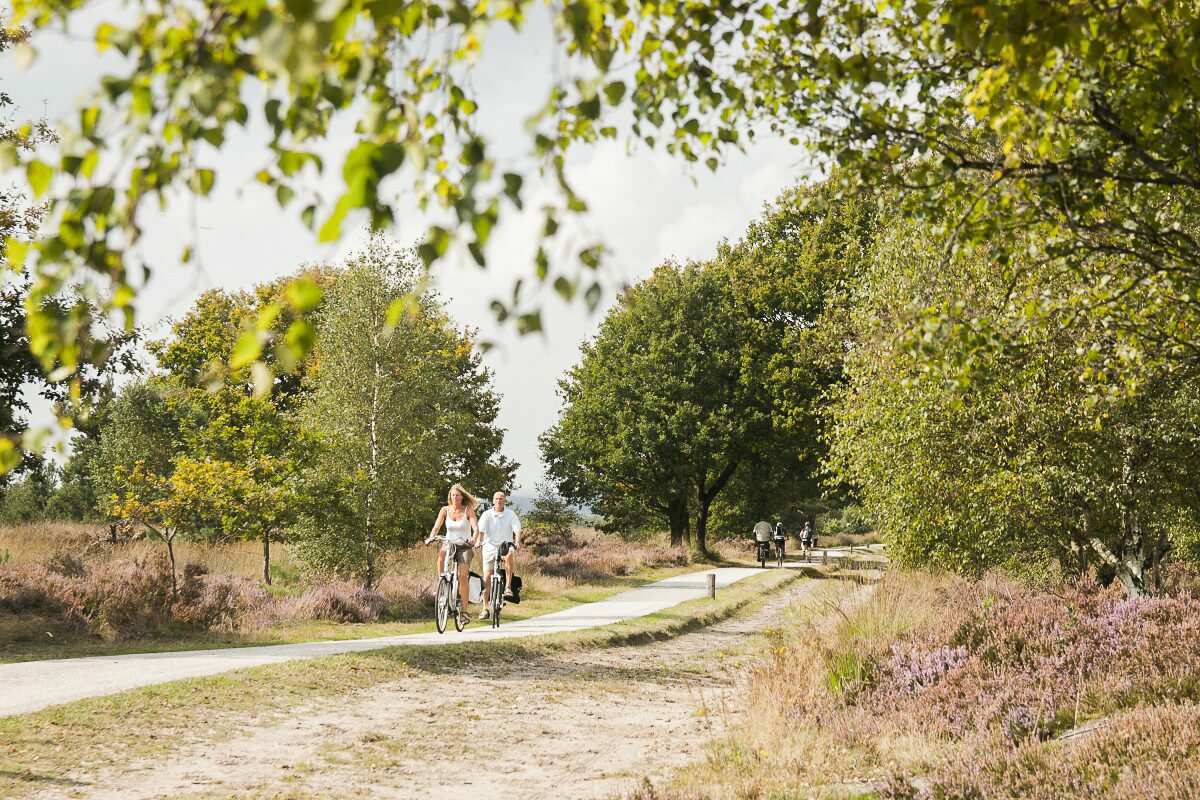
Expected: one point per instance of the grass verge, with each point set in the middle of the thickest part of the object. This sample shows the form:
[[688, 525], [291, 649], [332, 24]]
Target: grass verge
[[51, 748]]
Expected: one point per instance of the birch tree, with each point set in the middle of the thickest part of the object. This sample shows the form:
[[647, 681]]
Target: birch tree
[[401, 406]]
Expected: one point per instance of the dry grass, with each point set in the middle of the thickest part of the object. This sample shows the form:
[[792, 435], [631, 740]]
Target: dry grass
[[941, 687], [37, 542], [849, 540]]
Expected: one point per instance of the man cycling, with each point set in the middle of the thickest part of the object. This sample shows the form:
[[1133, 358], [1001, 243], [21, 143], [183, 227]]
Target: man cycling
[[501, 531]]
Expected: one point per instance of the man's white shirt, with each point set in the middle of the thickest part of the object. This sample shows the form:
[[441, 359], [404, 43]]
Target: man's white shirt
[[499, 527]]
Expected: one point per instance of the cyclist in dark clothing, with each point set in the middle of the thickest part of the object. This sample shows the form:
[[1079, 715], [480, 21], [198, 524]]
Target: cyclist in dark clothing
[[780, 539]]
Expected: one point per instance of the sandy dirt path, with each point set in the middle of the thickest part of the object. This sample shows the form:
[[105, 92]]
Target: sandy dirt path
[[582, 724]]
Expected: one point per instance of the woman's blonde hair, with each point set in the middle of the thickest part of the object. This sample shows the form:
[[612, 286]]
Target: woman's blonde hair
[[469, 500]]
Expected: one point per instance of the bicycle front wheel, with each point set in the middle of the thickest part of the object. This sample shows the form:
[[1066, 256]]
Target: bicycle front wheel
[[441, 606], [457, 607], [497, 598]]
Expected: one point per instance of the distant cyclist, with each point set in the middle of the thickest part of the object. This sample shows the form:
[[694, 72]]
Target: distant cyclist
[[461, 532], [780, 540], [501, 534], [808, 539]]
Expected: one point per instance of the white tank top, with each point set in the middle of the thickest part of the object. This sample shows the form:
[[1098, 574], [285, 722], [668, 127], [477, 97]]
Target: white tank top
[[458, 532]]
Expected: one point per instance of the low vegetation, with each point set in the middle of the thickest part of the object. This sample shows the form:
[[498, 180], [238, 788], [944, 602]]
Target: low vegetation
[[63, 744], [945, 687], [64, 587]]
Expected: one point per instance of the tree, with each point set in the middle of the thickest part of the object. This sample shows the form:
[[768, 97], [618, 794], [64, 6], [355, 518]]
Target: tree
[[1005, 451], [793, 272], [552, 513], [27, 499], [658, 415], [178, 504], [401, 407]]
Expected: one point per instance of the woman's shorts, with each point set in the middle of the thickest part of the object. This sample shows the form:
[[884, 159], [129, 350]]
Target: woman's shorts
[[461, 552]]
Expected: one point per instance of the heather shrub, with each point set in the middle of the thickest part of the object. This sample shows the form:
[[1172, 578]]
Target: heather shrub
[[971, 681], [1149, 752], [408, 596], [67, 564], [136, 600], [337, 601], [22, 591]]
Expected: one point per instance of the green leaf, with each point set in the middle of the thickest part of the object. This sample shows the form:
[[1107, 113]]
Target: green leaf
[[304, 294], [247, 350], [300, 337], [39, 176], [614, 92], [529, 323]]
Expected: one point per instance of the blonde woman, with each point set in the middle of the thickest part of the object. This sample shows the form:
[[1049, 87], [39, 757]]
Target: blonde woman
[[462, 533]]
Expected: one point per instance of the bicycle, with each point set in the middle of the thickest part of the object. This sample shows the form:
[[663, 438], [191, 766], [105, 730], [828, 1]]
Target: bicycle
[[497, 585], [808, 543], [779, 551], [448, 600]]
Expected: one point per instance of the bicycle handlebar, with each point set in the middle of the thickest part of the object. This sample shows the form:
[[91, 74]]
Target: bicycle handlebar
[[444, 539]]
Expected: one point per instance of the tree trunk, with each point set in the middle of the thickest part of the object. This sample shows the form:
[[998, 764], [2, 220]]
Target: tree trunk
[[705, 494], [1131, 571], [373, 472], [702, 526], [171, 555], [677, 517], [1079, 545], [267, 557]]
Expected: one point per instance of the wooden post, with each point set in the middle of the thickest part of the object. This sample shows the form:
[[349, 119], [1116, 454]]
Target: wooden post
[[824, 556], [712, 584]]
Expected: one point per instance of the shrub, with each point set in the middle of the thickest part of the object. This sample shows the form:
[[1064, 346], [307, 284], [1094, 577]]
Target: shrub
[[336, 601], [1141, 753], [137, 600], [552, 514], [67, 564]]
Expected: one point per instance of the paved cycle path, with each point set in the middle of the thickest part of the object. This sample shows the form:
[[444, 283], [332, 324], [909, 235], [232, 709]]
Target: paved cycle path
[[31, 685]]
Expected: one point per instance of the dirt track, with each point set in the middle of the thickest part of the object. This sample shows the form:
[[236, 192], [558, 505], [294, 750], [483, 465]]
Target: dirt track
[[573, 725]]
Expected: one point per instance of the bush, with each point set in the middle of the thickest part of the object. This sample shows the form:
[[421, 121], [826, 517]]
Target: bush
[[1141, 753], [136, 600], [552, 516], [848, 519], [67, 564]]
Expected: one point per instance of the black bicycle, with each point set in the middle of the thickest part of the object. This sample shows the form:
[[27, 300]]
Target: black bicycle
[[498, 583], [779, 542]]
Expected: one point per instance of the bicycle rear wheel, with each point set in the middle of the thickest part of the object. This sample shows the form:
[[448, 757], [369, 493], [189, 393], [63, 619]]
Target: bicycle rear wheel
[[441, 606]]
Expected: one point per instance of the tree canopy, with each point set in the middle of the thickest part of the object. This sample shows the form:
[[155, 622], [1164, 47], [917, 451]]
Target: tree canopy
[[1078, 117]]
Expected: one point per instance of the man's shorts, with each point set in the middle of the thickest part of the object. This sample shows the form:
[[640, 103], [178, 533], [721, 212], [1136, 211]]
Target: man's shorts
[[462, 552], [489, 553]]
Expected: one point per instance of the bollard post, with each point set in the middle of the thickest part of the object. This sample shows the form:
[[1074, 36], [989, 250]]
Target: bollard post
[[824, 557], [712, 584]]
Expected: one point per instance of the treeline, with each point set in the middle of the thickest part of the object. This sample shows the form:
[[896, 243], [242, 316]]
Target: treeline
[[982, 407], [342, 454]]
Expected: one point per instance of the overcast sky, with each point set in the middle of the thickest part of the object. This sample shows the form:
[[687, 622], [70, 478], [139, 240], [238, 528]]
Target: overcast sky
[[646, 206]]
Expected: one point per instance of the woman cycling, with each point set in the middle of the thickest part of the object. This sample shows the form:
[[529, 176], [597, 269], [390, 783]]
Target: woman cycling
[[462, 531]]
